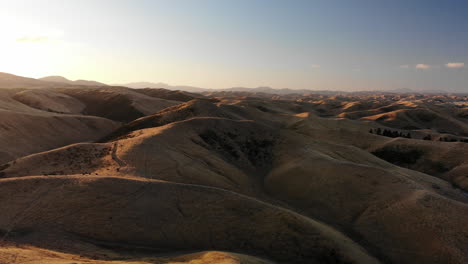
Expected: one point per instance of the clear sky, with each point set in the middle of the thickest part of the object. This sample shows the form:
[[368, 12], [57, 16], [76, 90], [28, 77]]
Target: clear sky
[[310, 44]]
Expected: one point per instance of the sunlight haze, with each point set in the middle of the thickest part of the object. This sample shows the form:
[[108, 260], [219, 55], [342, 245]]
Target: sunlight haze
[[234, 131], [336, 45]]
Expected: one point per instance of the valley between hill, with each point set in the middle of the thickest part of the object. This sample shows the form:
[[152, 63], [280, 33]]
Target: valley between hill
[[103, 174]]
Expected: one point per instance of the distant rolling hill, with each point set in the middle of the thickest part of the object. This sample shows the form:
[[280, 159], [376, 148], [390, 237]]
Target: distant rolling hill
[[13, 81], [140, 85], [60, 79], [8, 80], [108, 174]]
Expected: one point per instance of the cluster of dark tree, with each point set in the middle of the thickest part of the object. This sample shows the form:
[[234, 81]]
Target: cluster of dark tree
[[395, 134], [427, 137], [389, 133], [445, 139]]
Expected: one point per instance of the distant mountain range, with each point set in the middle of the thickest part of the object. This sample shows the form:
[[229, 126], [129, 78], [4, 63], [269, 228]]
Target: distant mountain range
[[60, 79], [139, 85], [12, 81], [265, 89], [269, 90]]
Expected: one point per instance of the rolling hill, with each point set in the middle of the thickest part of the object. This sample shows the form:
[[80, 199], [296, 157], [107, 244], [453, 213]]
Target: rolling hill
[[155, 176]]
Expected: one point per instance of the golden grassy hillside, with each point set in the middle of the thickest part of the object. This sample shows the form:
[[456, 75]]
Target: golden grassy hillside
[[231, 179]]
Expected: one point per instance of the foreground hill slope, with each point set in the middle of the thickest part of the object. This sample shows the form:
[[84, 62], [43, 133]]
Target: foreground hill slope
[[345, 187], [33, 255], [124, 210], [232, 179]]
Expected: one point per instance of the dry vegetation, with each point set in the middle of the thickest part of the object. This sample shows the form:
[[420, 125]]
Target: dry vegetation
[[114, 175]]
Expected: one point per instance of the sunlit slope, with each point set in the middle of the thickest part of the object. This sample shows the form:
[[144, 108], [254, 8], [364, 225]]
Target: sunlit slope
[[265, 177], [25, 130], [161, 215], [117, 103], [34, 255], [340, 185], [46, 118]]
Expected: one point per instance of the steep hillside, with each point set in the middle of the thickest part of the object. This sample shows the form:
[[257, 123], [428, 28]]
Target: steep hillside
[[235, 178], [117, 103], [343, 186], [169, 95], [25, 130]]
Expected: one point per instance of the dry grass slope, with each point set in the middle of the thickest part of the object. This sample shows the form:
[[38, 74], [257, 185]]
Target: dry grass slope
[[240, 178]]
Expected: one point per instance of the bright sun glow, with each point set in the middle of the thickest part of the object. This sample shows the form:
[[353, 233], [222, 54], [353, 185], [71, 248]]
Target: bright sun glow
[[29, 50], [220, 44]]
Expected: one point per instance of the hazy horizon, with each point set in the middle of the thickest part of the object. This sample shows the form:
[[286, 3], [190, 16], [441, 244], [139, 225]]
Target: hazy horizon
[[191, 88], [315, 45], [234, 131]]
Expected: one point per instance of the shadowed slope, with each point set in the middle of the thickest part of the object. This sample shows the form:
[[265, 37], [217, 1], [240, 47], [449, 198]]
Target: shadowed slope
[[446, 160], [170, 216], [117, 103], [340, 185], [420, 119], [193, 108], [244, 174], [25, 130], [350, 188], [48, 100], [210, 151], [181, 96]]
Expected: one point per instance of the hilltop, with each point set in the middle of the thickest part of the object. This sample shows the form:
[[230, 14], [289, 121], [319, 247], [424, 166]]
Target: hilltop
[[110, 174]]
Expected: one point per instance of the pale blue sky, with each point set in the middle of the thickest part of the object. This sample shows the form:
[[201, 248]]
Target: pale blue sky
[[322, 44]]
